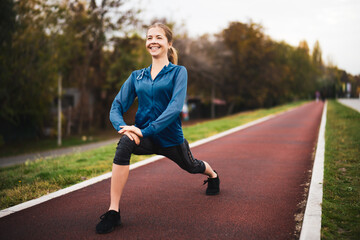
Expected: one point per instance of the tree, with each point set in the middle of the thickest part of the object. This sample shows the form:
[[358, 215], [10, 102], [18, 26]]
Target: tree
[[28, 82], [49, 38], [88, 31], [243, 83], [303, 79], [317, 55]]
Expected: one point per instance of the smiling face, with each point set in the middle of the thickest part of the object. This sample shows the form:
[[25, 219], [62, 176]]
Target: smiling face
[[156, 42]]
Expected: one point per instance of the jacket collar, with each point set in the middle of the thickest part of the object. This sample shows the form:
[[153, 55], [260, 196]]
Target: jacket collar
[[166, 69], [147, 71]]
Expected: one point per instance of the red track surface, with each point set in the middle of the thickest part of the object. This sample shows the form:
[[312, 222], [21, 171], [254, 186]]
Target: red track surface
[[262, 171]]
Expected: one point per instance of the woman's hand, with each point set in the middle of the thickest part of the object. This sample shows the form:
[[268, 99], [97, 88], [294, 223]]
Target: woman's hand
[[132, 132], [132, 129], [133, 137]]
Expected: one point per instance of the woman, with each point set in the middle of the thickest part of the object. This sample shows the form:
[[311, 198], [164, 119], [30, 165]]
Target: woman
[[161, 91]]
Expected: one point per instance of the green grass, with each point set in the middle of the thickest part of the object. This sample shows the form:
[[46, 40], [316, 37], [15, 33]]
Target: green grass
[[27, 181], [341, 199], [34, 146]]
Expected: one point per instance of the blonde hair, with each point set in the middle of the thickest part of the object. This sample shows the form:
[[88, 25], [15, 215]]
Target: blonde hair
[[172, 52]]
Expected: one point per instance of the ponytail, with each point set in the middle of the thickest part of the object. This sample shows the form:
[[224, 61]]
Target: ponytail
[[172, 55]]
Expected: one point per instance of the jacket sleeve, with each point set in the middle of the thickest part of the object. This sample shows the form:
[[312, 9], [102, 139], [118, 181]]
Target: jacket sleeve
[[174, 107], [122, 103]]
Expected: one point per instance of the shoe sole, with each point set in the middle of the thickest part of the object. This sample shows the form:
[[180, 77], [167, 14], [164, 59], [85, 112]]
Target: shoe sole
[[212, 194], [111, 229]]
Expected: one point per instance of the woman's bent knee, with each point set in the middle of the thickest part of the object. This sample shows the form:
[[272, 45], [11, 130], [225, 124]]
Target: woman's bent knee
[[124, 150]]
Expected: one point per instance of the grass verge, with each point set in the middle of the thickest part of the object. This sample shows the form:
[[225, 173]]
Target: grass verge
[[34, 146], [33, 179], [341, 199]]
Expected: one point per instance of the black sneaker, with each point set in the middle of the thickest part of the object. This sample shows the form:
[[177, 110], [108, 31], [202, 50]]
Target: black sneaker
[[108, 222], [213, 187]]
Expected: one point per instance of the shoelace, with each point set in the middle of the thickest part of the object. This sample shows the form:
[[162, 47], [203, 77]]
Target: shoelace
[[105, 215], [208, 180]]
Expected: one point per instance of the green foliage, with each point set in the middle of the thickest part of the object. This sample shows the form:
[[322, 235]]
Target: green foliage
[[250, 70], [95, 50], [27, 80], [86, 62], [42, 40], [247, 45], [128, 55], [341, 206], [7, 23]]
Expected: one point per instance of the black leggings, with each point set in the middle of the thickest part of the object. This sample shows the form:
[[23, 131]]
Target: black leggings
[[180, 154]]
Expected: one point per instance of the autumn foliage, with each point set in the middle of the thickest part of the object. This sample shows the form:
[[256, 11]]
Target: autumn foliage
[[94, 45]]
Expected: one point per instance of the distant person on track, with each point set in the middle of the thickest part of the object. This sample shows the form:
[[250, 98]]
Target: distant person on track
[[317, 96], [161, 92]]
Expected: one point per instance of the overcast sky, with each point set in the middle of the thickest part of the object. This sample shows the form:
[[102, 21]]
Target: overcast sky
[[335, 23]]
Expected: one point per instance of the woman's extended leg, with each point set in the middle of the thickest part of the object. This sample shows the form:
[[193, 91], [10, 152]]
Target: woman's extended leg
[[213, 181], [120, 168], [120, 174], [209, 171], [182, 156], [112, 218]]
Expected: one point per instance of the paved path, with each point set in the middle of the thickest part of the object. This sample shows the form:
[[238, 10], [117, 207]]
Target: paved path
[[18, 159], [263, 170], [353, 103], [8, 161]]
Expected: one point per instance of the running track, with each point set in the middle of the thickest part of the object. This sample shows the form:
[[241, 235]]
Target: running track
[[262, 170]]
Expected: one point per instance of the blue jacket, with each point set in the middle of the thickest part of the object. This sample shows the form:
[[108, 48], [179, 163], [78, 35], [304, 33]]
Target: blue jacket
[[160, 103]]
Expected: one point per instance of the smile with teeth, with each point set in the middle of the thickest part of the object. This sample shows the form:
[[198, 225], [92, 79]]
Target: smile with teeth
[[154, 48]]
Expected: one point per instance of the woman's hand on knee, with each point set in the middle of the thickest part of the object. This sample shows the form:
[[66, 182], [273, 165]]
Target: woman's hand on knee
[[132, 129], [132, 136]]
